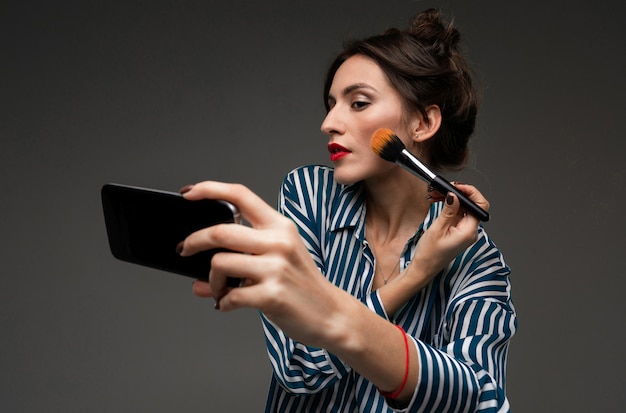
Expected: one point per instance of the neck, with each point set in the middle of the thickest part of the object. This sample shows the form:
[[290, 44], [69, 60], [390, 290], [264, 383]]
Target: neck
[[396, 205]]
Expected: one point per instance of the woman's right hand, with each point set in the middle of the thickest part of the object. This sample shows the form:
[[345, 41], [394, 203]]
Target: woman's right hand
[[281, 278], [283, 282]]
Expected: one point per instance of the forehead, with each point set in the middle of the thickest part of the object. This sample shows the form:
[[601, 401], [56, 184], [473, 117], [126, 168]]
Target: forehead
[[359, 70]]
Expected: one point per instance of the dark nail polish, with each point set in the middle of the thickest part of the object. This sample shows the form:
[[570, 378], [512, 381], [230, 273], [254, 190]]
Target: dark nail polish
[[185, 189], [179, 247], [449, 199]]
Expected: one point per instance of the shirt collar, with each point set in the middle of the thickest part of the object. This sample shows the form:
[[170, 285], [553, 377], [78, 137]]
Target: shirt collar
[[348, 208], [348, 211]]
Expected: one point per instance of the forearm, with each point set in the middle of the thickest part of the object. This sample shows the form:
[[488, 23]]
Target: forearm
[[437, 380], [373, 347], [400, 290]]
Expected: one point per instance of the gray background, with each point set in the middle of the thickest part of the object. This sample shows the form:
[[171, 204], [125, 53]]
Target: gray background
[[166, 93]]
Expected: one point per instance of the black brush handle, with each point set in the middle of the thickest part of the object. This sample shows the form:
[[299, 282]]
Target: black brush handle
[[443, 187]]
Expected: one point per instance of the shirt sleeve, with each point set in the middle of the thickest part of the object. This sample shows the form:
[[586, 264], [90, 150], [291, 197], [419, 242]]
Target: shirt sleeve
[[374, 303], [299, 368], [465, 371]]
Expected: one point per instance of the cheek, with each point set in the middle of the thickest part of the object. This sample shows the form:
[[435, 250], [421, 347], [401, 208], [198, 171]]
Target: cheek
[[391, 118]]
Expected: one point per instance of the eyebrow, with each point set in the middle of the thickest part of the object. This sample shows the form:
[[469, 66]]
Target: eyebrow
[[356, 86], [351, 88]]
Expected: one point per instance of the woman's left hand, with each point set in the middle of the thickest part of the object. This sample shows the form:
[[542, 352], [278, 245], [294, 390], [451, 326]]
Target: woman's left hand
[[452, 232]]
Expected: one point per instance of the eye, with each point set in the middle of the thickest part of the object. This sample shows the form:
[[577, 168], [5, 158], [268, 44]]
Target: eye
[[360, 104]]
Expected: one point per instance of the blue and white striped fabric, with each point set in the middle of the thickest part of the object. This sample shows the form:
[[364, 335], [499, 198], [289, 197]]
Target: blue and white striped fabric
[[461, 323]]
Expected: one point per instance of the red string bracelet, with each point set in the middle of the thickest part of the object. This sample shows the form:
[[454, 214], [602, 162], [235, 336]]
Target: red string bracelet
[[395, 394]]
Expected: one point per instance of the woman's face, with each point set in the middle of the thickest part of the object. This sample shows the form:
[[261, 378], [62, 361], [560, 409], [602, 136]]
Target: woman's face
[[361, 100]]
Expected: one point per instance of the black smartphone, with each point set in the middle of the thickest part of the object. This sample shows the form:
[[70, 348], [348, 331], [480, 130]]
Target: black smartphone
[[144, 226]]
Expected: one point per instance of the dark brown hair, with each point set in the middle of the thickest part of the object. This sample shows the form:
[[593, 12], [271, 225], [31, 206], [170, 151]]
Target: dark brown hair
[[425, 65]]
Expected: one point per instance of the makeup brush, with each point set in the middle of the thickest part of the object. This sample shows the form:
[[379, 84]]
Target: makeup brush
[[388, 146]]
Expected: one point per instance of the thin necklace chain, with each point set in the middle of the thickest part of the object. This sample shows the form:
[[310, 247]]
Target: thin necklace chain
[[391, 274]]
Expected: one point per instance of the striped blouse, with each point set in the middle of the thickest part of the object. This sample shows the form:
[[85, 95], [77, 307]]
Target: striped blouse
[[461, 323]]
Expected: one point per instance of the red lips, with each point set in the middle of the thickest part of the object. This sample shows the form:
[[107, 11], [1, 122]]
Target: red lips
[[337, 151]]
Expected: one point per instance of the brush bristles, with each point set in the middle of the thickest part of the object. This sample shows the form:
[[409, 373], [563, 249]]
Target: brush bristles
[[386, 144]]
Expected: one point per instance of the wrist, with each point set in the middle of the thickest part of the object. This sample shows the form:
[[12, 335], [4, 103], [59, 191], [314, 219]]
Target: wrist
[[401, 289], [419, 273], [342, 332], [374, 348], [396, 393]]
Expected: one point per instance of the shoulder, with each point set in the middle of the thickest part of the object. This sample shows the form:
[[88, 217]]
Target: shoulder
[[309, 174], [314, 191], [480, 273], [309, 181]]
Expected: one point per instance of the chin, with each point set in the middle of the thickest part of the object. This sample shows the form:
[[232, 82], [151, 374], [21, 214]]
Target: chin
[[345, 179], [349, 176]]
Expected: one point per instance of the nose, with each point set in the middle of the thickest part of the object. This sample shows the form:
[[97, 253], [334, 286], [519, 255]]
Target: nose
[[331, 124]]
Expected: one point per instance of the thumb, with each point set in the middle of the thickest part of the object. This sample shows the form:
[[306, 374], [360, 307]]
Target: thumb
[[451, 207]]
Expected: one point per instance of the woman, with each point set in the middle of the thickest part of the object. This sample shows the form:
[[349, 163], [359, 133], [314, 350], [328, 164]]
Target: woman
[[377, 294]]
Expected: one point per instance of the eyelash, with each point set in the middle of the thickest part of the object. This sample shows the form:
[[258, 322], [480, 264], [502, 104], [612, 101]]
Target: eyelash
[[359, 104]]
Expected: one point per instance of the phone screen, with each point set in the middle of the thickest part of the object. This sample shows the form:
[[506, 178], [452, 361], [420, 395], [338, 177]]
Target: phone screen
[[144, 226]]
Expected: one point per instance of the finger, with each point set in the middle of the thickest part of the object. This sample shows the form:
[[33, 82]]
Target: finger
[[229, 236], [253, 296], [251, 206], [201, 289], [474, 194], [458, 228], [434, 197], [451, 207], [253, 268], [226, 266], [456, 219], [461, 218]]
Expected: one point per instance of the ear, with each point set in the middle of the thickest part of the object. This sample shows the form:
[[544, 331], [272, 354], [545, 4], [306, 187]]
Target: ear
[[425, 129]]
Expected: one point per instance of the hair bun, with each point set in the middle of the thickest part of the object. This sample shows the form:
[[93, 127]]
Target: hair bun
[[425, 65], [441, 38]]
